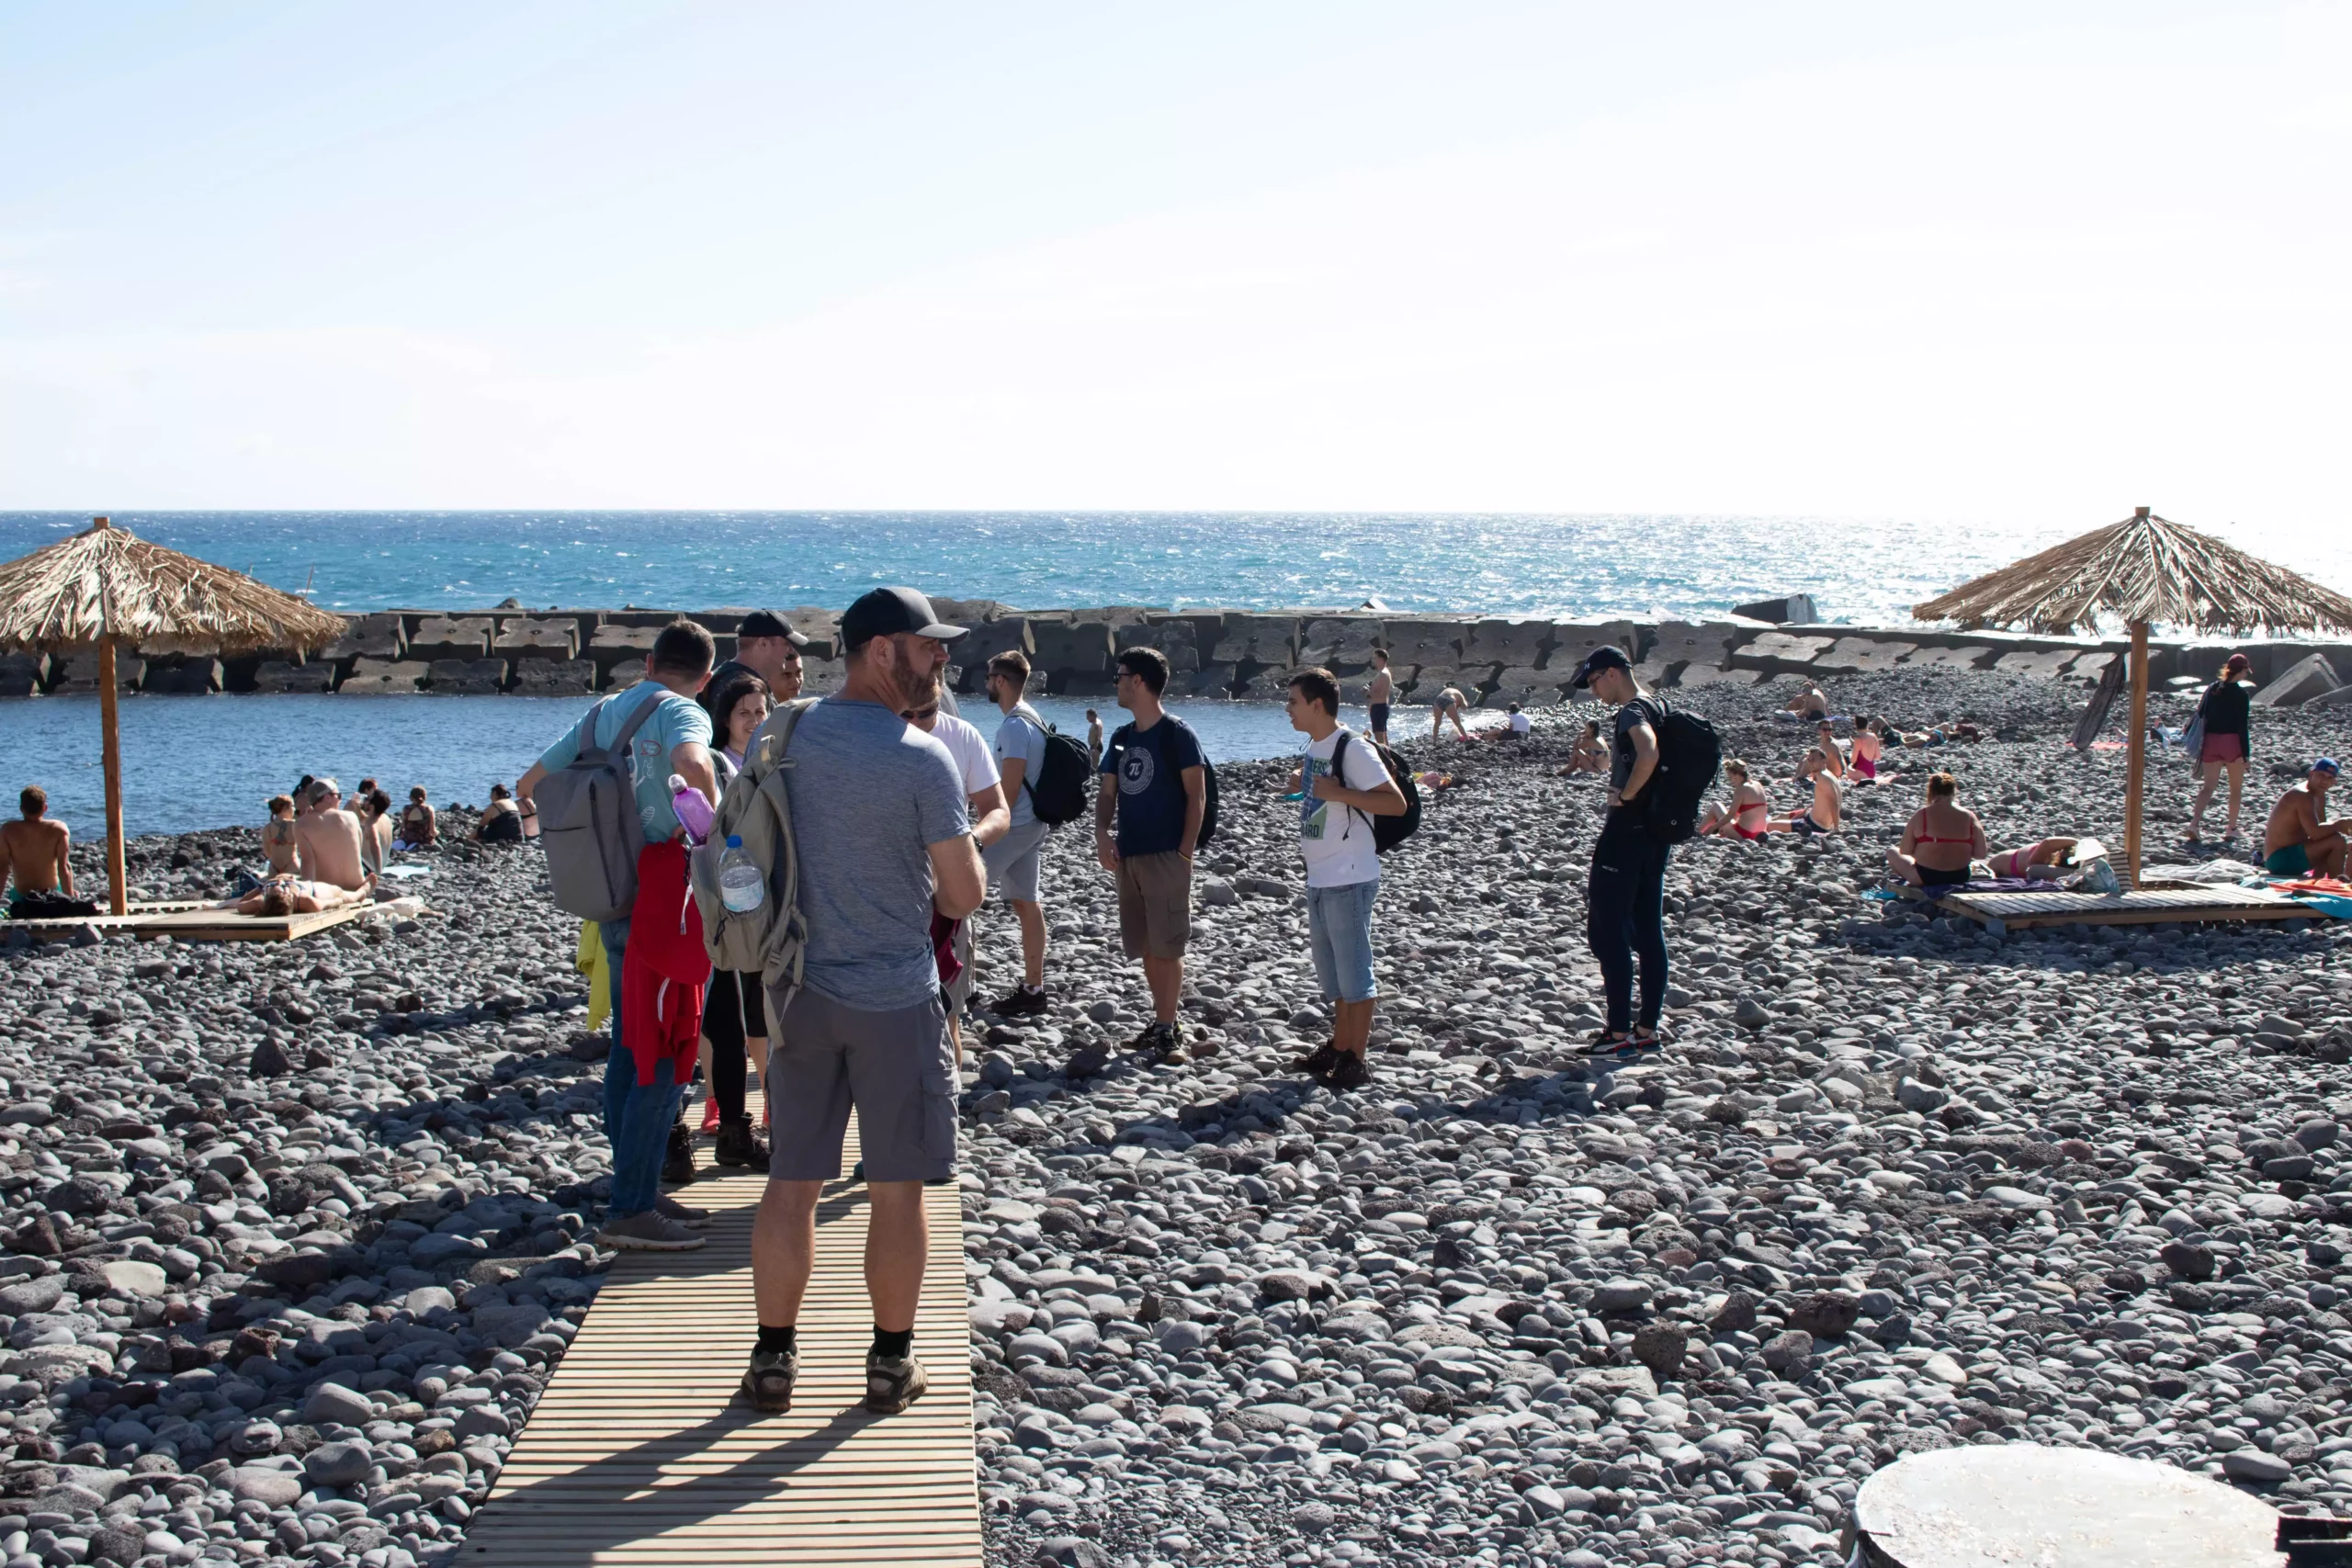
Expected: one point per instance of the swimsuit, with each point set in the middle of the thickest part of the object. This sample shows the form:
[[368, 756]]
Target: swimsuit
[[1379, 715], [2295, 860], [1763, 826], [1866, 766], [1931, 877]]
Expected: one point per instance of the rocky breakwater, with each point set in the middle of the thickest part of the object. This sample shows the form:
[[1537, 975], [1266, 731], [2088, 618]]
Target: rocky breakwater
[[1214, 653], [1892, 1186], [293, 1234]]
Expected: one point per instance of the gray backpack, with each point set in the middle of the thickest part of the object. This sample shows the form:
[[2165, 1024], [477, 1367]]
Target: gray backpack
[[588, 822], [756, 807]]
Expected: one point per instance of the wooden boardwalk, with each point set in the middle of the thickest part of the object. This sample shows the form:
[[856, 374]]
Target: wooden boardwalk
[[639, 1451]]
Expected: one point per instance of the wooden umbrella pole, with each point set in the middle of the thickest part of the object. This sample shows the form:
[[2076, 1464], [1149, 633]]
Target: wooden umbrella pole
[[2139, 751], [109, 725]]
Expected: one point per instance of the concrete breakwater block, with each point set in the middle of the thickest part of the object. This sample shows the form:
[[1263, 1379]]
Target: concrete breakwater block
[[189, 675], [77, 674], [279, 676], [554, 677], [1426, 640], [1208, 681], [1339, 642], [373, 677], [613, 647], [1962, 1508], [1695, 675], [1526, 687], [2044, 665], [1706, 643], [1470, 681], [1780, 652], [450, 636], [2298, 684], [1255, 640], [468, 677], [1075, 655], [1862, 655], [21, 675], [379, 636], [1507, 644], [1178, 641], [1948, 658], [524, 639]]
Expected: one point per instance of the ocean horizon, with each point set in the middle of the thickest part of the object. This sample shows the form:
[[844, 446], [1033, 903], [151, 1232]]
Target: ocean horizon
[[1863, 572]]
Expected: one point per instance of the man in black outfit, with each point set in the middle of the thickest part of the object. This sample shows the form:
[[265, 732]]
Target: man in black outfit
[[767, 646], [1624, 897]]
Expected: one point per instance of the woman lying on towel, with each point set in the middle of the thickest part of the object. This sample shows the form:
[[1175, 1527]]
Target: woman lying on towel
[[293, 896], [1939, 840], [2044, 860]]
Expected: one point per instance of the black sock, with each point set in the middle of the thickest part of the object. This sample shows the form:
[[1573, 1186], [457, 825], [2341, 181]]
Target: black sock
[[780, 1341], [894, 1346]]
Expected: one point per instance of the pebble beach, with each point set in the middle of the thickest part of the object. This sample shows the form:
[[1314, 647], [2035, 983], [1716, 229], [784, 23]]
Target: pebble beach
[[294, 1235]]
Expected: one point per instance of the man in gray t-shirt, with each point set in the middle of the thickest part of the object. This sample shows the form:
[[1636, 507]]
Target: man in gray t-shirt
[[884, 840], [1016, 860]]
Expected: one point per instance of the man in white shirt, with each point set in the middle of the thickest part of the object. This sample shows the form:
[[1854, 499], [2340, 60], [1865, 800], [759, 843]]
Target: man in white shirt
[[1014, 861], [984, 795], [1343, 785]]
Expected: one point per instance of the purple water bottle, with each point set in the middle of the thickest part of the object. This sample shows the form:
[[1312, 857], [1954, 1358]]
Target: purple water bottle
[[694, 812]]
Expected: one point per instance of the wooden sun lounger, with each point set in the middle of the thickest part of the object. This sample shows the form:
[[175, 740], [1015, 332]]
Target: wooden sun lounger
[[198, 920], [2158, 903], [639, 1451]]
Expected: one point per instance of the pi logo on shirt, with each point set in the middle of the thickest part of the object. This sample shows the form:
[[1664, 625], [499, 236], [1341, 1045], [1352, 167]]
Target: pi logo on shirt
[[1136, 768]]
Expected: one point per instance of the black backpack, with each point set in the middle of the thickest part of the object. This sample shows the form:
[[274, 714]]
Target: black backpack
[[1058, 793], [1388, 832], [1208, 772], [1689, 755]]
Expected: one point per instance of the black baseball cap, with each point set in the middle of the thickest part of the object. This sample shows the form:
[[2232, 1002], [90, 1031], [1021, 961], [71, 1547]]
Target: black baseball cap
[[767, 623], [886, 611], [1600, 659]]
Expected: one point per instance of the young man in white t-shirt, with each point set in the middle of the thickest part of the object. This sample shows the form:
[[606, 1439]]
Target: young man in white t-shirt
[[984, 795], [1335, 839], [1014, 863]]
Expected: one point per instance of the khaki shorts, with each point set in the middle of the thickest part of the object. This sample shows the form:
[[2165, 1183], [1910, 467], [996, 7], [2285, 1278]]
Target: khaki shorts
[[1155, 904], [896, 1068]]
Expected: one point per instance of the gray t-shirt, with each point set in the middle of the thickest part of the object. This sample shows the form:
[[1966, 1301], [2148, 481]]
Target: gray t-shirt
[[1022, 735], [870, 795]]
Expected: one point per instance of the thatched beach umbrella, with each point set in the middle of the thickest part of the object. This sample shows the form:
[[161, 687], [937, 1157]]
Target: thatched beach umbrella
[[2143, 570], [107, 588]]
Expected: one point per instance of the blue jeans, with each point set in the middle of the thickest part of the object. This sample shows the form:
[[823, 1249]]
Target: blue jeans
[[1339, 932], [1624, 915], [637, 1117]]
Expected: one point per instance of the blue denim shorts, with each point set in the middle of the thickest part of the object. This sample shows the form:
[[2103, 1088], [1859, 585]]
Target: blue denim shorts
[[1338, 930]]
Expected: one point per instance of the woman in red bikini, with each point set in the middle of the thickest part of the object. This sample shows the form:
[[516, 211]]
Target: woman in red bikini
[[1750, 810], [1939, 840]]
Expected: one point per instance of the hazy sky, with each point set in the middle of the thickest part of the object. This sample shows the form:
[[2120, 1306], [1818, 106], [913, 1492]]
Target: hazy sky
[[2009, 262]]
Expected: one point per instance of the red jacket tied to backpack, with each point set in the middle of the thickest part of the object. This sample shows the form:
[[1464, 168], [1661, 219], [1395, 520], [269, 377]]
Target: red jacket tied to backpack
[[665, 967]]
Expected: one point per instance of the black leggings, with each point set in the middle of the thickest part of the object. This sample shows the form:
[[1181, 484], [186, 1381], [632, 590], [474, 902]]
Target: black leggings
[[732, 1008], [1625, 914]]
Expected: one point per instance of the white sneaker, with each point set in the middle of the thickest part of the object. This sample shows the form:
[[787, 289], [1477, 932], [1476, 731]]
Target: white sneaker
[[648, 1232]]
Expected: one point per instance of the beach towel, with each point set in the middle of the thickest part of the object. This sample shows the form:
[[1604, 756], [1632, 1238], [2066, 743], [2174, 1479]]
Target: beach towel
[[590, 960], [665, 969]]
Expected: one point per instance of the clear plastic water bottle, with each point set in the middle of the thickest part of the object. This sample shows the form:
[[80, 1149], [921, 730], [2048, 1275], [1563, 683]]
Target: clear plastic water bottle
[[695, 814], [742, 886]]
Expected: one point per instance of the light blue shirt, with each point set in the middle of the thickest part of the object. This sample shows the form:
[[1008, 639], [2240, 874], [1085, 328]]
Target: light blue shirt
[[674, 723], [1021, 736]]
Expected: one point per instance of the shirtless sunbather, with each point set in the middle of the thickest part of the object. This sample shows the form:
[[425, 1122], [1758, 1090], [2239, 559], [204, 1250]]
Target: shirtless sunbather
[[2301, 840], [33, 851], [1810, 703], [330, 844], [1826, 810], [292, 895]]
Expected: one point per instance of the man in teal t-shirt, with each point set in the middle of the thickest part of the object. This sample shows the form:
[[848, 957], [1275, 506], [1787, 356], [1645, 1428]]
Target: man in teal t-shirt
[[675, 738]]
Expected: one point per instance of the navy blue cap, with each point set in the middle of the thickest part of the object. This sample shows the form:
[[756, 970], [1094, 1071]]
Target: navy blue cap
[[1600, 659]]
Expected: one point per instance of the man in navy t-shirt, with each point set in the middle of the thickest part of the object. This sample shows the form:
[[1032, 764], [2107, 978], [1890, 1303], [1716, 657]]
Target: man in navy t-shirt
[[1157, 806]]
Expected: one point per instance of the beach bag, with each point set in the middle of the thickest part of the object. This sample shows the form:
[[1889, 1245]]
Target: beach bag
[[1059, 792], [1208, 773], [588, 821], [2192, 739], [1689, 755], [1388, 832], [771, 939]]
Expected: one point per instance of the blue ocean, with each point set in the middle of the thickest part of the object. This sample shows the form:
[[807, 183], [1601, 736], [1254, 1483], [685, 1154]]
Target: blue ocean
[[198, 762]]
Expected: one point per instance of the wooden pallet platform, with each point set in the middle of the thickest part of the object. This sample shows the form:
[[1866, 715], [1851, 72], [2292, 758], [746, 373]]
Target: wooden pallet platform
[[207, 921], [639, 1452], [2157, 904]]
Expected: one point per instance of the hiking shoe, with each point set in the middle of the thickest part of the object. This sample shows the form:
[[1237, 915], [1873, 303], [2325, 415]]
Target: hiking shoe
[[767, 1382], [736, 1144], [1085, 1062], [1317, 1062], [686, 1214], [648, 1232], [678, 1162], [1161, 1043], [1020, 1002], [893, 1384], [1348, 1073]]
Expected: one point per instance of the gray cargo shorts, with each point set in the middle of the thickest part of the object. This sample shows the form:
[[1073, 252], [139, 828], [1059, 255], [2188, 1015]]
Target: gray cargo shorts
[[1013, 862], [895, 1066]]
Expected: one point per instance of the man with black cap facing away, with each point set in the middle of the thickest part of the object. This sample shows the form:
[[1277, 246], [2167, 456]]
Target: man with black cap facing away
[[883, 837], [1624, 895], [765, 647]]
